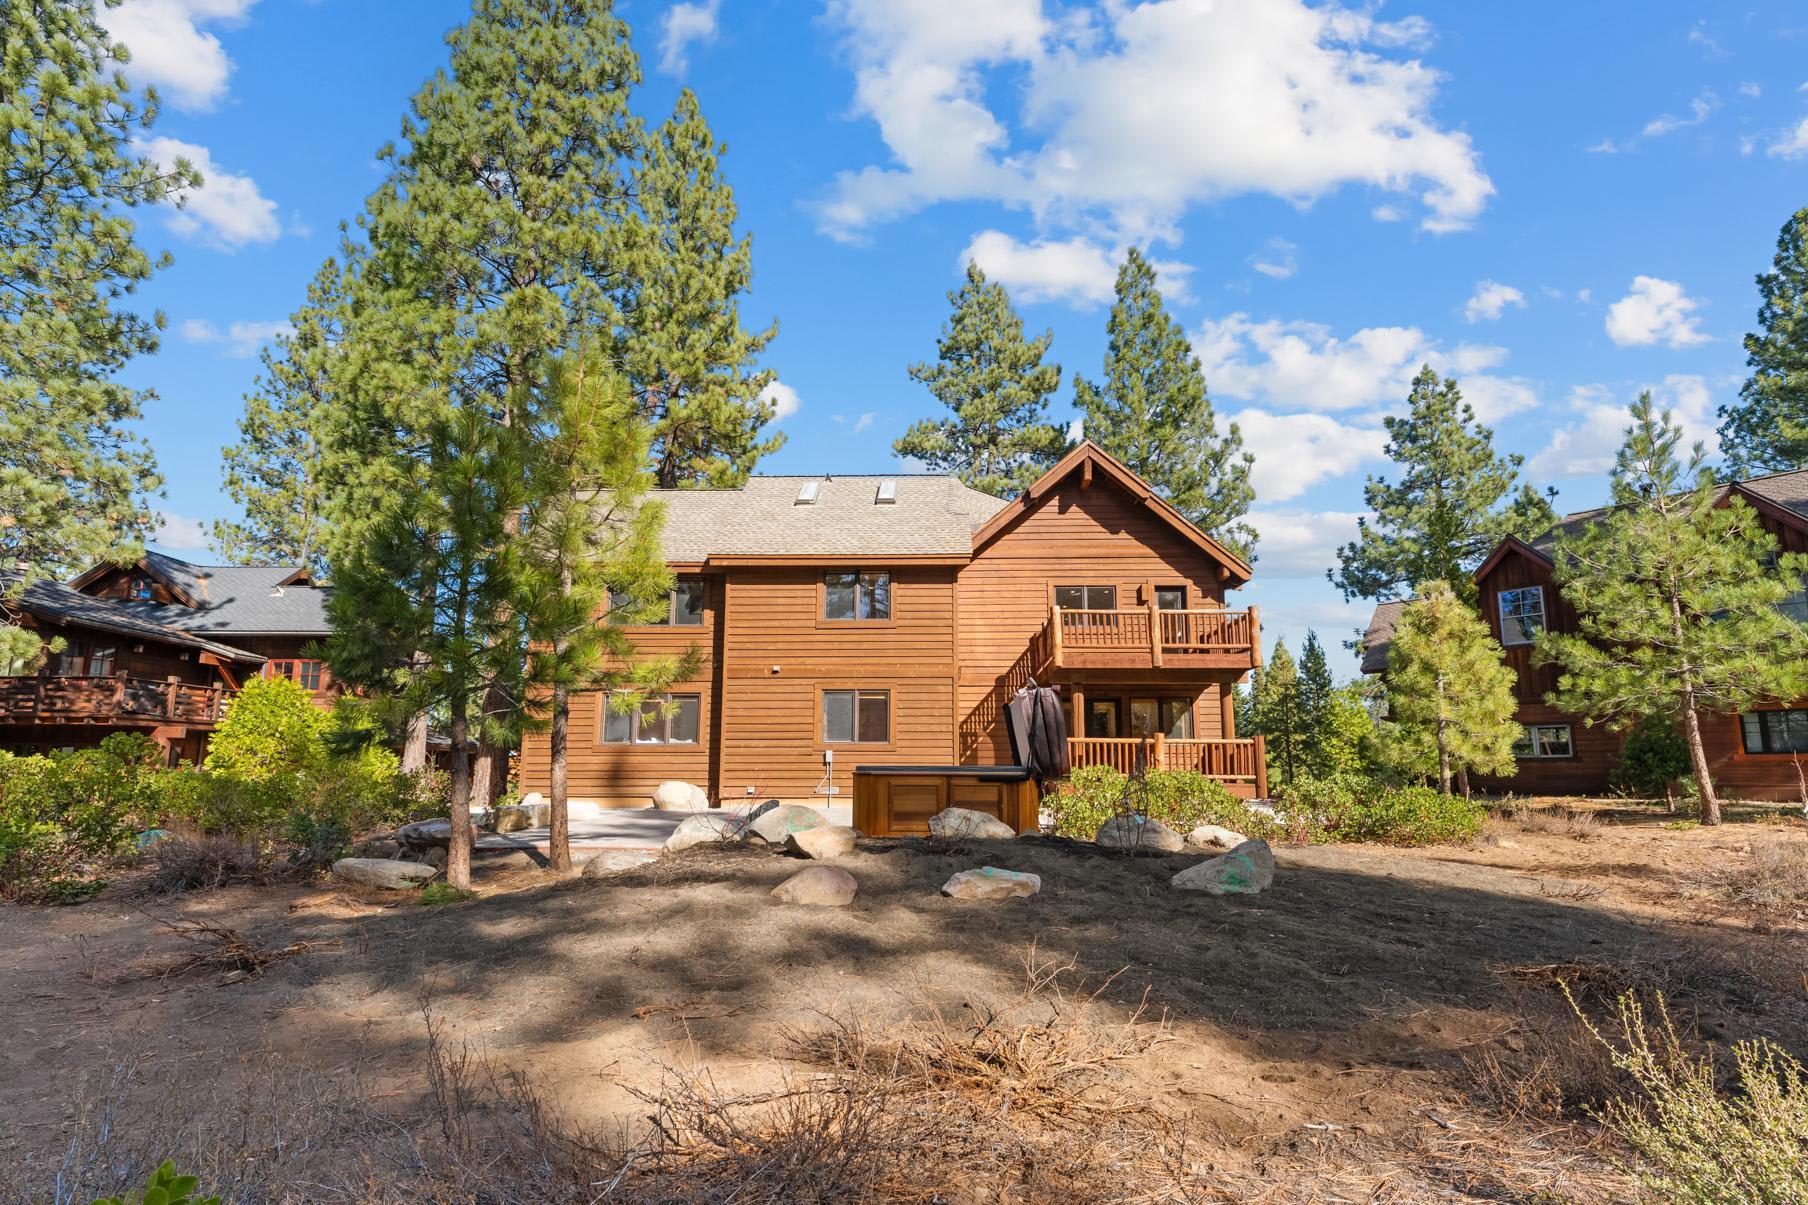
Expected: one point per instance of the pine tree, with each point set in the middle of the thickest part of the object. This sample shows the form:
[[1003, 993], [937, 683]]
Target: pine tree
[[74, 480], [1453, 503], [1768, 430], [995, 385], [1152, 413], [589, 531], [276, 472], [1676, 592], [1316, 683], [683, 347], [1277, 712], [1450, 693]]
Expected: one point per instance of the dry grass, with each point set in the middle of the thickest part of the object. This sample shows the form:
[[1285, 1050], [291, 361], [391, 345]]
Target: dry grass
[[217, 949], [1775, 873], [1557, 821], [204, 864]]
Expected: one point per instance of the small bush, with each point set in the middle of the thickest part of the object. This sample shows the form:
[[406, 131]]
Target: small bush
[[441, 892], [1775, 873], [1696, 1142], [270, 730], [1653, 758], [1409, 816], [64, 816], [165, 1188], [202, 864], [1181, 799]]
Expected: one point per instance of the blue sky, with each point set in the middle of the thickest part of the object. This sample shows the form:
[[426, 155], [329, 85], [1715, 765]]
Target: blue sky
[[1561, 204]]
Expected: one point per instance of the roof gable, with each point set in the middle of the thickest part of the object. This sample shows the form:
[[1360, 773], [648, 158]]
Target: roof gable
[[1092, 463]]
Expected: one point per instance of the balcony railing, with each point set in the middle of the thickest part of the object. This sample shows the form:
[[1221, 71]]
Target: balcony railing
[[1141, 637], [1235, 763], [119, 697]]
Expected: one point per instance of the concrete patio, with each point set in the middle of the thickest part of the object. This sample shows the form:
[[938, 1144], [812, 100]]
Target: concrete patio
[[594, 828]]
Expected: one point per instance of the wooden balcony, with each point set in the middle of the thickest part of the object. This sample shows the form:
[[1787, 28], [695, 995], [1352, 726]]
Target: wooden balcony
[[1147, 638], [1240, 765], [117, 699]]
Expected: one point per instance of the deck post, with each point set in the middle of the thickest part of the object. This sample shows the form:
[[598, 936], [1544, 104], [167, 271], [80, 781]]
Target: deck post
[[119, 693], [1154, 634], [1158, 756], [1054, 620], [1255, 638], [1261, 768]]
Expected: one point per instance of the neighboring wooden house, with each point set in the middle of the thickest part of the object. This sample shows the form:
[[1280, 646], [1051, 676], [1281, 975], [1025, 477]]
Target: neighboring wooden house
[[158, 647], [885, 620], [1752, 755]]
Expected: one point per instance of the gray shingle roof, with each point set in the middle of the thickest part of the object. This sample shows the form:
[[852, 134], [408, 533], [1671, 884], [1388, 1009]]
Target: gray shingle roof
[[1788, 490], [241, 600], [933, 515], [57, 603], [1380, 635]]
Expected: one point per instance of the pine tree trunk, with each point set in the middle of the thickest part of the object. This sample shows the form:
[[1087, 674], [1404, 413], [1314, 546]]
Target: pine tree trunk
[[1462, 778], [1443, 742], [414, 746], [483, 774], [559, 839], [458, 852], [1698, 755]]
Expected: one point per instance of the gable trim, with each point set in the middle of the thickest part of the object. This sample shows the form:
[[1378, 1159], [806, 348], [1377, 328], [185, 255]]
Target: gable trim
[[1507, 545], [142, 565]]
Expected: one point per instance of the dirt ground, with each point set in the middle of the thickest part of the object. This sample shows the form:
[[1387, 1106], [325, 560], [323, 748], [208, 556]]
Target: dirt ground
[[1323, 1037]]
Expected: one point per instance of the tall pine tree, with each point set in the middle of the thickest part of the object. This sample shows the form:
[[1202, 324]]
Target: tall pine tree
[[1453, 502], [992, 380], [276, 472], [682, 343], [74, 480], [1277, 712], [1450, 692], [1676, 593], [1768, 430], [1152, 413]]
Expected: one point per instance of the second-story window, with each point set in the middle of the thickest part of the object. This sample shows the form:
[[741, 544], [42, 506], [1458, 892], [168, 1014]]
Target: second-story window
[[100, 661], [138, 587], [1086, 598], [1170, 598], [684, 605], [1521, 614], [856, 596]]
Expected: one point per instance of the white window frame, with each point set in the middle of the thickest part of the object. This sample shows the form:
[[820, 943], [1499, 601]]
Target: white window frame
[[1510, 634], [1531, 746], [635, 739]]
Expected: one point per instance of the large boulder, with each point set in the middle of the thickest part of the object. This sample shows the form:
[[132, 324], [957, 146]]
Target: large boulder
[[774, 826], [381, 872], [614, 861], [675, 796], [1139, 834], [824, 841], [533, 799], [991, 883], [1214, 836], [822, 886], [520, 817], [959, 824], [1245, 870], [706, 828], [756, 813], [424, 834]]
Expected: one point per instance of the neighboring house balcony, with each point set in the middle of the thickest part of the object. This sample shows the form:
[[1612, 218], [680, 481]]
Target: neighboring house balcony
[[114, 699], [1240, 765], [1150, 638]]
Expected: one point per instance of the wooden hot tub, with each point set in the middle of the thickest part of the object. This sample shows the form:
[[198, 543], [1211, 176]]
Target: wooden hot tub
[[897, 801]]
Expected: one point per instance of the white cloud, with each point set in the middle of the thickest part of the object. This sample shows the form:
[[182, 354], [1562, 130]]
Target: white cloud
[[1045, 270], [1278, 259], [1750, 90], [1303, 365], [1606, 146], [1587, 447], [864, 421], [1668, 123], [1791, 144], [1131, 113], [683, 25], [1294, 452], [227, 211], [239, 340], [1300, 543], [784, 399], [178, 532], [1655, 311], [169, 49], [1490, 300]]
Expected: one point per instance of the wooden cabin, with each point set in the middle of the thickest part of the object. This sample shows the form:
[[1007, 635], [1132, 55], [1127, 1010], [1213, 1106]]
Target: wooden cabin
[[158, 647], [887, 620], [1752, 755]]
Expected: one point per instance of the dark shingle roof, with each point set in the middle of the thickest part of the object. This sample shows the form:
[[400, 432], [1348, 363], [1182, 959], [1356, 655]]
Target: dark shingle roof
[[1788, 490], [932, 515], [57, 603], [1380, 634], [242, 600]]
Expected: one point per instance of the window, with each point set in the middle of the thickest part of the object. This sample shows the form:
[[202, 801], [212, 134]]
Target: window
[[100, 661], [667, 720], [856, 596], [1144, 714], [1775, 731], [68, 663], [856, 717], [1177, 719], [1173, 718], [1086, 598], [684, 606], [1521, 615], [1170, 598], [1101, 718], [1543, 740], [138, 587], [306, 674]]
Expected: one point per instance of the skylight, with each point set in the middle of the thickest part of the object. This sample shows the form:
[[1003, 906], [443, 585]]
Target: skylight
[[806, 494], [887, 495]]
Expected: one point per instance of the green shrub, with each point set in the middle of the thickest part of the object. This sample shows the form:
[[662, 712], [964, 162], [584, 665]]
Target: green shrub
[[1411, 815], [1181, 799], [165, 1188], [218, 802], [1652, 758], [271, 729], [62, 817]]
